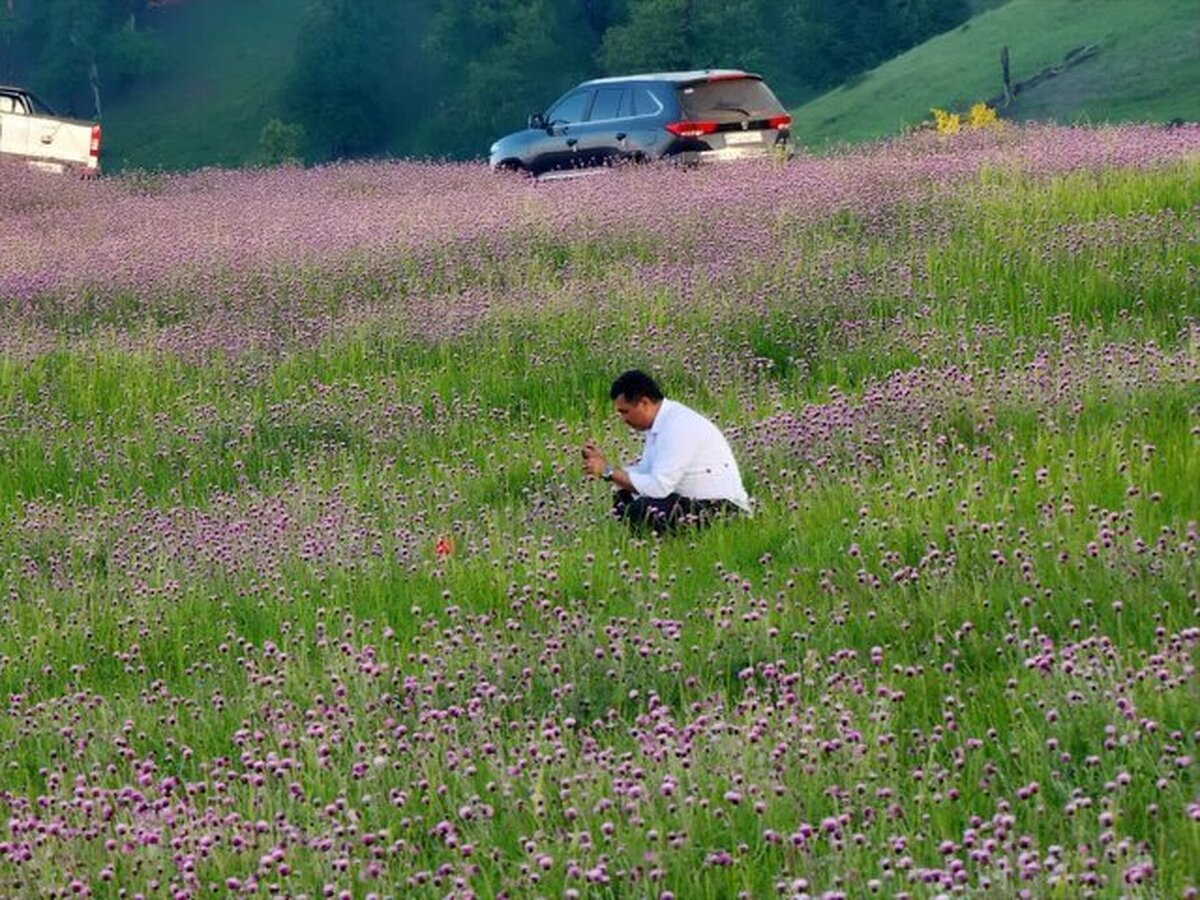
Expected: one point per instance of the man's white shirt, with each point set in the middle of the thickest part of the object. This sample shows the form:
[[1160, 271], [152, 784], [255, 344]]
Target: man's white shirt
[[686, 454]]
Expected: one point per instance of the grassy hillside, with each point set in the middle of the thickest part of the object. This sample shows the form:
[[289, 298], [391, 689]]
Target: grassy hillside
[[228, 59], [1147, 68]]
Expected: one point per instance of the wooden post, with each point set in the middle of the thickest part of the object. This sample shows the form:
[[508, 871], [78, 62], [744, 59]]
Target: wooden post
[[94, 78], [1006, 76]]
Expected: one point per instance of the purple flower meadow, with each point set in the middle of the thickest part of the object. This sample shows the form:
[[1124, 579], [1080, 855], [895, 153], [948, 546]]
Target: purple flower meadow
[[304, 594]]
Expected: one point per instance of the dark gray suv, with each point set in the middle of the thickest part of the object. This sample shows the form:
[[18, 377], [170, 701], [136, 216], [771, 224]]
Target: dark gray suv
[[703, 116]]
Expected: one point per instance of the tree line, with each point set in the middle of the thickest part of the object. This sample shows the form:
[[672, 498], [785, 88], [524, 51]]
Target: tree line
[[441, 77], [69, 48]]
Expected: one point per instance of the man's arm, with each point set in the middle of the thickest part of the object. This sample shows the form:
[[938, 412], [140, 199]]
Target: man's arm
[[595, 464], [673, 454]]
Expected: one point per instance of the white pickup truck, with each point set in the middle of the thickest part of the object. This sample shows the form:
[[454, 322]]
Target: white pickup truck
[[29, 130]]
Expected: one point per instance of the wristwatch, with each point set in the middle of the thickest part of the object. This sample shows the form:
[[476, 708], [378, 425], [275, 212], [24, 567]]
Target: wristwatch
[[607, 474]]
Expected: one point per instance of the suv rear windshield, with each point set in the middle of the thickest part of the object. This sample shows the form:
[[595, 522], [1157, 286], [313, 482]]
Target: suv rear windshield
[[728, 98]]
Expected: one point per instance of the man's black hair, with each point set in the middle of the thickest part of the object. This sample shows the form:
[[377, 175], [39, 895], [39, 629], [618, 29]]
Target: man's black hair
[[634, 385]]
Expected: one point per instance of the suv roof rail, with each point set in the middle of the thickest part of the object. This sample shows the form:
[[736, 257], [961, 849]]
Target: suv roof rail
[[689, 77]]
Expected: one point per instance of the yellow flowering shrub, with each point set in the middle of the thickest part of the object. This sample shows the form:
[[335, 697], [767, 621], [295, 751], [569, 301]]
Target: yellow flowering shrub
[[947, 123], [983, 116], [980, 116]]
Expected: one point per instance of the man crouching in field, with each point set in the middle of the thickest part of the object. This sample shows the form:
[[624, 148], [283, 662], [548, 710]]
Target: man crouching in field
[[687, 473]]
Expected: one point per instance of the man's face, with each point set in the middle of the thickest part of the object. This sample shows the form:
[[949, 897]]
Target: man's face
[[638, 415]]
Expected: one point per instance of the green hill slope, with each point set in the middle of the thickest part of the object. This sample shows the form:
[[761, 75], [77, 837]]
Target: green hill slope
[[227, 61], [1146, 67]]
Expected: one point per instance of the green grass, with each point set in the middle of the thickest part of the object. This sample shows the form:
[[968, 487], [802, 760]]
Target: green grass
[[1147, 70], [226, 61], [107, 660], [1005, 265]]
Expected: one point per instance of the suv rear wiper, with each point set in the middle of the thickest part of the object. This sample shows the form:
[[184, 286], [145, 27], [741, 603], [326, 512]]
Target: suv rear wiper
[[738, 109]]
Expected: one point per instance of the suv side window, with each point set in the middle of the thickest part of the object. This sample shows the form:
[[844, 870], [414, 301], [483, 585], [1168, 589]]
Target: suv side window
[[626, 109], [645, 103], [607, 105], [10, 104], [572, 108]]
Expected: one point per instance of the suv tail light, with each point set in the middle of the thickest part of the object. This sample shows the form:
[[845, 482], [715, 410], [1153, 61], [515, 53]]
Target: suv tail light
[[94, 149], [691, 129], [779, 121]]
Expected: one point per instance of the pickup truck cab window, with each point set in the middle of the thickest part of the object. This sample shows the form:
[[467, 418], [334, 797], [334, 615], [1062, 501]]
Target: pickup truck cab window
[[11, 104]]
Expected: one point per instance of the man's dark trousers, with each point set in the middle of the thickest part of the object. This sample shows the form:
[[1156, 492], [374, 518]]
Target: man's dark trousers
[[663, 514]]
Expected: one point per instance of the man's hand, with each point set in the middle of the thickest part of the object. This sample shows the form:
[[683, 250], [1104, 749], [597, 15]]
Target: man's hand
[[593, 459]]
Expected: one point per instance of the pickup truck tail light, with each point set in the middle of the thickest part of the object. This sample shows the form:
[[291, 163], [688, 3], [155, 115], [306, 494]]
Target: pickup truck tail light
[[691, 129], [94, 149]]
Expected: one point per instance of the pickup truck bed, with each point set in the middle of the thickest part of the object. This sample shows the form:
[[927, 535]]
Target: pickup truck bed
[[29, 130]]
